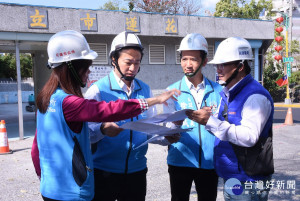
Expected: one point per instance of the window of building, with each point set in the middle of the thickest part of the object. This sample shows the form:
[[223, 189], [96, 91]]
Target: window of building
[[101, 49], [211, 51], [177, 54], [156, 54]]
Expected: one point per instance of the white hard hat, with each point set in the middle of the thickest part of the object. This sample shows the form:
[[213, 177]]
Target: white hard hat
[[125, 39], [193, 41], [232, 49], [66, 46]]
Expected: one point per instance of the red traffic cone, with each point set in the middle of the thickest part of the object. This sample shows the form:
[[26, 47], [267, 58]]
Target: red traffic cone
[[4, 147], [289, 117]]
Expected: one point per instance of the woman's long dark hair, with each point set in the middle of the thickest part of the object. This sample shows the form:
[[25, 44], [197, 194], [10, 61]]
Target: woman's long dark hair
[[62, 77]]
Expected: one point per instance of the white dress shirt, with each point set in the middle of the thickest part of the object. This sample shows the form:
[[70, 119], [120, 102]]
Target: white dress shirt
[[255, 113], [197, 92]]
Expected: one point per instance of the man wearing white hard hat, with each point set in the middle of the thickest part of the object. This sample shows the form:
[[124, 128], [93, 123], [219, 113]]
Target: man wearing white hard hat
[[191, 158], [242, 126], [120, 167]]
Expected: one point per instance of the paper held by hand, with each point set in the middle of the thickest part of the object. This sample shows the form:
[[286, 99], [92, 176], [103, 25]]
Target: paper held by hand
[[150, 126], [166, 117], [151, 129]]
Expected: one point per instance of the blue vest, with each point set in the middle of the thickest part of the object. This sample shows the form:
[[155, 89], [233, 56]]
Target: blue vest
[[226, 163], [118, 154], [195, 148], [56, 151]]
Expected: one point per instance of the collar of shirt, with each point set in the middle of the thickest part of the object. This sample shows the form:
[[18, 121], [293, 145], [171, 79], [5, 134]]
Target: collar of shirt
[[123, 86], [226, 90], [197, 92], [200, 86]]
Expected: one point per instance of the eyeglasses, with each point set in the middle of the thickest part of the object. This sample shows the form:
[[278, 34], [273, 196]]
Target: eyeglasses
[[221, 66]]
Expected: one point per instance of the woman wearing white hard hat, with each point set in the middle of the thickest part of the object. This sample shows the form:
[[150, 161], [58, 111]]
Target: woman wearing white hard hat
[[243, 127], [62, 132], [190, 160], [120, 167]]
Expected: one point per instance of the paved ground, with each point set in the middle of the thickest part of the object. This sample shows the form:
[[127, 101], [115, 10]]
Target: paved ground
[[19, 182], [9, 113]]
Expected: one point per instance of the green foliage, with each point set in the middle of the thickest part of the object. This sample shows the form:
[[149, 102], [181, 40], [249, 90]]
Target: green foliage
[[8, 66], [241, 9], [26, 65], [270, 76], [295, 47], [131, 5], [295, 78], [112, 5], [274, 70]]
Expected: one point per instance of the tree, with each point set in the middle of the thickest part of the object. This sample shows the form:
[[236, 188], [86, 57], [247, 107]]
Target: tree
[[130, 5], [295, 78], [8, 66], [112, 5], [190, 7], [274, 70], [242, 9], [186, 7], [26, 65]]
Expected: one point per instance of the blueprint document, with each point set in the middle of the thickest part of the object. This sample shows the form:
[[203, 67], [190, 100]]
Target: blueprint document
[[149, 126]]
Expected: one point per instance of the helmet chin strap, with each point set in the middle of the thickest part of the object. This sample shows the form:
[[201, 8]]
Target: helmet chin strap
[[234, 74], [75, 74], [194, 73], [127, 78]]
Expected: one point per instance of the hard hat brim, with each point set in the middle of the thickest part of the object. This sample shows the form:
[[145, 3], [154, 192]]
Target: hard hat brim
[[214, 61], [91, 55]]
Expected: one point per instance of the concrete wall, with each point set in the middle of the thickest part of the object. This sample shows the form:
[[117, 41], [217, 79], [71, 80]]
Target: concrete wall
[[14, 19], [158, 76], [9, 94], [12, 96], [14, 27]]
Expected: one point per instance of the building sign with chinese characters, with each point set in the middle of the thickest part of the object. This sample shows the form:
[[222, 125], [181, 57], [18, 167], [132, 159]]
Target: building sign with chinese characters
[[88, 21], [132, 24], [171, 25], [37, 18]]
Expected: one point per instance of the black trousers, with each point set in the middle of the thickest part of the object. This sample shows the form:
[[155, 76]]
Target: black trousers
[[48, 199], [181, 179], [122, 187]]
